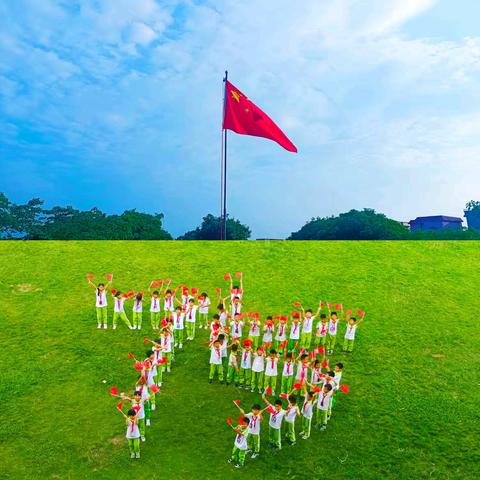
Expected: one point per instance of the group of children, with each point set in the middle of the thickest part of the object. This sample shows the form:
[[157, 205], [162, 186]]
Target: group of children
[[284, 354]]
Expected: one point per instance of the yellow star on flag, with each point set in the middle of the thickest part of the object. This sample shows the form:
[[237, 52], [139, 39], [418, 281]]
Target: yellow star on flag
[[235, 95]]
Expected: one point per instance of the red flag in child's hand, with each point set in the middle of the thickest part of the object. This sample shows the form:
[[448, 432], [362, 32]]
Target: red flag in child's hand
[[344, 388], [247, 342], [131, 293], [194, 291], [240, 420], [138, 366], [297, 304], [227, 276], [270, 409], [109, 276], [154, 389], [295, 344], [312, 354], [113, 291], [238, 274], [256, 315], [277, 317], [113, 391], [321, 350], [284, 395], [236, 402], [147, 340], [316, 390], [164, 323], [329, 305], [201, 298], [162, 360], [302, 351], [338, 306], [322, 304], [297, 385], [268, 390], [325, 364], [245, 118], [136, 408], [131, 355], [349, 312], [218, 290], [361, 313], [168, 280], [90, 275], [268, 344], [249, 314], [229, 421], [154, 284], [119, 405], [283, 318]]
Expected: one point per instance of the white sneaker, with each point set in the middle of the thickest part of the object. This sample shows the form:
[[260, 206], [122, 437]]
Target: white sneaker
[[132, 455], [137, 455], [104, 326], [181, 345], [154, 407], [160, 384], [134, 327], [139, 327], [254, 455], [200, 326], [114, 327], [147, 422], [176, 345], [143, 438], [168, 370], [99, 325]]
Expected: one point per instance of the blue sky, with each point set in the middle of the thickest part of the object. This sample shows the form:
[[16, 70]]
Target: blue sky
[[117, 104]]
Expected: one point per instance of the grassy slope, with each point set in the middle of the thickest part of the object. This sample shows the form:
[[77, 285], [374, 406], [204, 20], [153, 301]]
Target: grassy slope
[[409, 415]]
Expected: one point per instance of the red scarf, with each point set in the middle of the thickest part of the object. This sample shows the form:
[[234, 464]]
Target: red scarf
[[154, 302], [273, 363], [118, 304], [100, 301], [288, 367], [295, 326], [323, 398], [132, 428]]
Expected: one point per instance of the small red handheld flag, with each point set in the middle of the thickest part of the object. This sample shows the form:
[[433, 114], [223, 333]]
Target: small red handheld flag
[[321, 350], [338, 306], [349, 312], [218, 290], [113, 391], [136, 408], [240, 420], [270, 409], [119, 405], [227, 276], [284, 395], [90, 275], [268, 390], [344, 388], [162, 360], [361, 313], [194, 291], [229, 421], [297, 304], [131, 355], [237, 402], [154, 284], [138, 366], [154, 389], [147, 340], [316, 390], [325, 364], [244, 117], [113, 291], [109, 276], [297, 385], [329, 305], [238, 274]]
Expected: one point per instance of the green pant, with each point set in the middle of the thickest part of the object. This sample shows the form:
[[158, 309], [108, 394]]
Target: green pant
[[204, 318], [306, 426], [291, 345], [155, 319], [331, 339], [123, 317], [148, 410], [277, 345], [253, 441], [290, 431], [152, 397], [238, 455], [137, 319], [190, 329], [270, 381], [348, 345], [255, 341], [224, 362], [245, 376], [257, 380], [322, 416], [275, 437], [306, 340], [141, 426], [232, 374], [287, 384], [134, 445], [102, 315], [168, 363], [218, 369], [320, 341], [178, 336]]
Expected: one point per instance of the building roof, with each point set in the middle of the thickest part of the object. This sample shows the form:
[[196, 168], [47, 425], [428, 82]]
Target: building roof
[[443, 218]]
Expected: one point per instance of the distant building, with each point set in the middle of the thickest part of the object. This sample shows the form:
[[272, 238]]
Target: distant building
[[435, 222], [473, 219], [405, 224]]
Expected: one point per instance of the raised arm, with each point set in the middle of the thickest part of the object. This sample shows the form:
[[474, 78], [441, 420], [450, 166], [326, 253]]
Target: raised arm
[[319, 308]]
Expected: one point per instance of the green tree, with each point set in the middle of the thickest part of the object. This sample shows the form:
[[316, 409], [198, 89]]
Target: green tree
[[17, 220], [353, 225], [210, 230]]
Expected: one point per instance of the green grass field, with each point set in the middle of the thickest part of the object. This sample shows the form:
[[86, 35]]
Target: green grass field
[[409, 415]]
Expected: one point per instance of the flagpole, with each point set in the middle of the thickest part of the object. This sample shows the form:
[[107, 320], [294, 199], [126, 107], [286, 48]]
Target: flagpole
[[225, 164]]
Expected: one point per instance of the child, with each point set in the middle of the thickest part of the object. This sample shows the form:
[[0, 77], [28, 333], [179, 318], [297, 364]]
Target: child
[[133, 433], [138, 405], [233, 370], [137, 312], [240, 446], [222, 312], [168, 303], [321, 333], [337, 378], [223, 339], [155, 309], [294, 336], [254, 332], [307, 414], [352, 325], [166, 347], [236, 306], [150, 372], [215, 362], [203, 303], [290, 416], [141, 386], [215, 326], [246, 365], [101, 302], [254, 419], [157, 371], [281, 335], [316, 377], [268, 330], [119, 310], [271, 371], [178, 327], [307, 326], [257, 370], [275, 424], [332, 332], [302, 368], [191, 318], [236, 327], [287, 374], [323, 404]]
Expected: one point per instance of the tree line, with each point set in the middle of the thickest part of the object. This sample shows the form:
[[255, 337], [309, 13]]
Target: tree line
[[30, 221]]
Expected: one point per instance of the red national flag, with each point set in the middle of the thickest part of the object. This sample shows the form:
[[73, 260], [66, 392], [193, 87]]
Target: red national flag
[[244, 117]]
